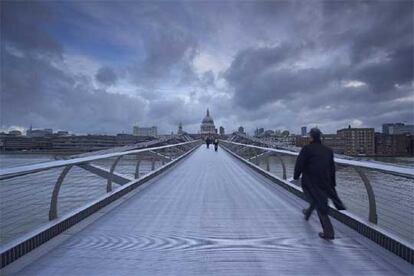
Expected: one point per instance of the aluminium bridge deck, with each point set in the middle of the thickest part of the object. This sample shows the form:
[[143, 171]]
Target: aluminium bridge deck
[[209, 215]]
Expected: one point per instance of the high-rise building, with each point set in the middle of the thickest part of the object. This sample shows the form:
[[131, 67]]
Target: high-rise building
[[222, 130], [180, 129], [358, 141], [241, 130], [397, 128], [145, 131], [259, 132], [303, 131]]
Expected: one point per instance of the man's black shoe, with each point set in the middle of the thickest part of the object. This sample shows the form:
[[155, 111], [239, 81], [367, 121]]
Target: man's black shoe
[[322, 235], [338, 204]]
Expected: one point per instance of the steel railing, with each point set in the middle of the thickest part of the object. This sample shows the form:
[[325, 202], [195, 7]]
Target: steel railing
[[255, 153], [161, 154]]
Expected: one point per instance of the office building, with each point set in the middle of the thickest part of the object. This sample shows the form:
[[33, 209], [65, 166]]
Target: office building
[[301, 141], [39, 132], [15, 132], [394, 145], [62, 133], [397, 128], [145, 131], [303, 131], [259, 131], [222, 130], [358, 141], [335, 142]]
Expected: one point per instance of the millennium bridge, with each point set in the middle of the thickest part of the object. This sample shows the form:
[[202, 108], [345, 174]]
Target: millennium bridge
[[174, 207]]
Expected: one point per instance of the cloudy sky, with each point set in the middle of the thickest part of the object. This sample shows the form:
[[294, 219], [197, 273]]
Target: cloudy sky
[[101, 67]]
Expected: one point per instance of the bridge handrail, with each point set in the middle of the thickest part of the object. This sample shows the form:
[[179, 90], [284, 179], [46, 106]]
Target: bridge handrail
[[40, 232], [385, 168], [391, 240], [28, 169]]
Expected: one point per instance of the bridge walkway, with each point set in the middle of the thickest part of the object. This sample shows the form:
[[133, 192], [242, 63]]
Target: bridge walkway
[[209, 215]]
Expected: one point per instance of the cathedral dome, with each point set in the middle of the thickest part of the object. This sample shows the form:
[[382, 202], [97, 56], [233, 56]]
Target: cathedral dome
[[207, 119], [207, 124]]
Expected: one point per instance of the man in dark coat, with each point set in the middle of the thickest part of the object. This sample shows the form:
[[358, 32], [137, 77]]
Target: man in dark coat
[[208, 141], [316, 164]]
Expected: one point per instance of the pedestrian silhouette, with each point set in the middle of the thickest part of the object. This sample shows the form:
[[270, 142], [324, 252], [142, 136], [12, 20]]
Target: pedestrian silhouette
[[316, 165], [215, 144], [208, 142]]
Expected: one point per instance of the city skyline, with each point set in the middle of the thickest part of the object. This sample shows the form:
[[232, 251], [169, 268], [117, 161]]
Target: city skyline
[[99, 67], [297, 132]]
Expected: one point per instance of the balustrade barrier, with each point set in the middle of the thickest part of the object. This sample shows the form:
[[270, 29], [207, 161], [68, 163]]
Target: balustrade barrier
[[32, 195], [379, 194]]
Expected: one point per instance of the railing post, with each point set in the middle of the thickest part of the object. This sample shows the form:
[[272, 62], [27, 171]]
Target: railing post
[[256, 158], [153, 163], [182, 150], [372, 215], [137, 167], [268, 163], [109, 183], [55, 193], [236, 149]]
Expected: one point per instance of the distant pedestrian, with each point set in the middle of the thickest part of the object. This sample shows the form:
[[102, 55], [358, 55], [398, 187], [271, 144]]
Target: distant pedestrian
[[208, 141], [215, 144], [316, 165]]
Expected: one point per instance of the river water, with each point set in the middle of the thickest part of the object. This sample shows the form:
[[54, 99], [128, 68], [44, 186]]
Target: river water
[[25, 200]]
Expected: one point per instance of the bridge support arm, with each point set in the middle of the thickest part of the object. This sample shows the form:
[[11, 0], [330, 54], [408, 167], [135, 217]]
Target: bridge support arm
[[54, 200], [282, 162], [109, 183], [104, 173], [372, 215]]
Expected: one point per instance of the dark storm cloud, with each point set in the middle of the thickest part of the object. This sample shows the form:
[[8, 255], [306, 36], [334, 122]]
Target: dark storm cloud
[[162, 37], [170, 111], [258, 76], [369, 27], [397, 68], [106, 75], [103, 66], [360, 43], [34, 91], [23, 25]]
